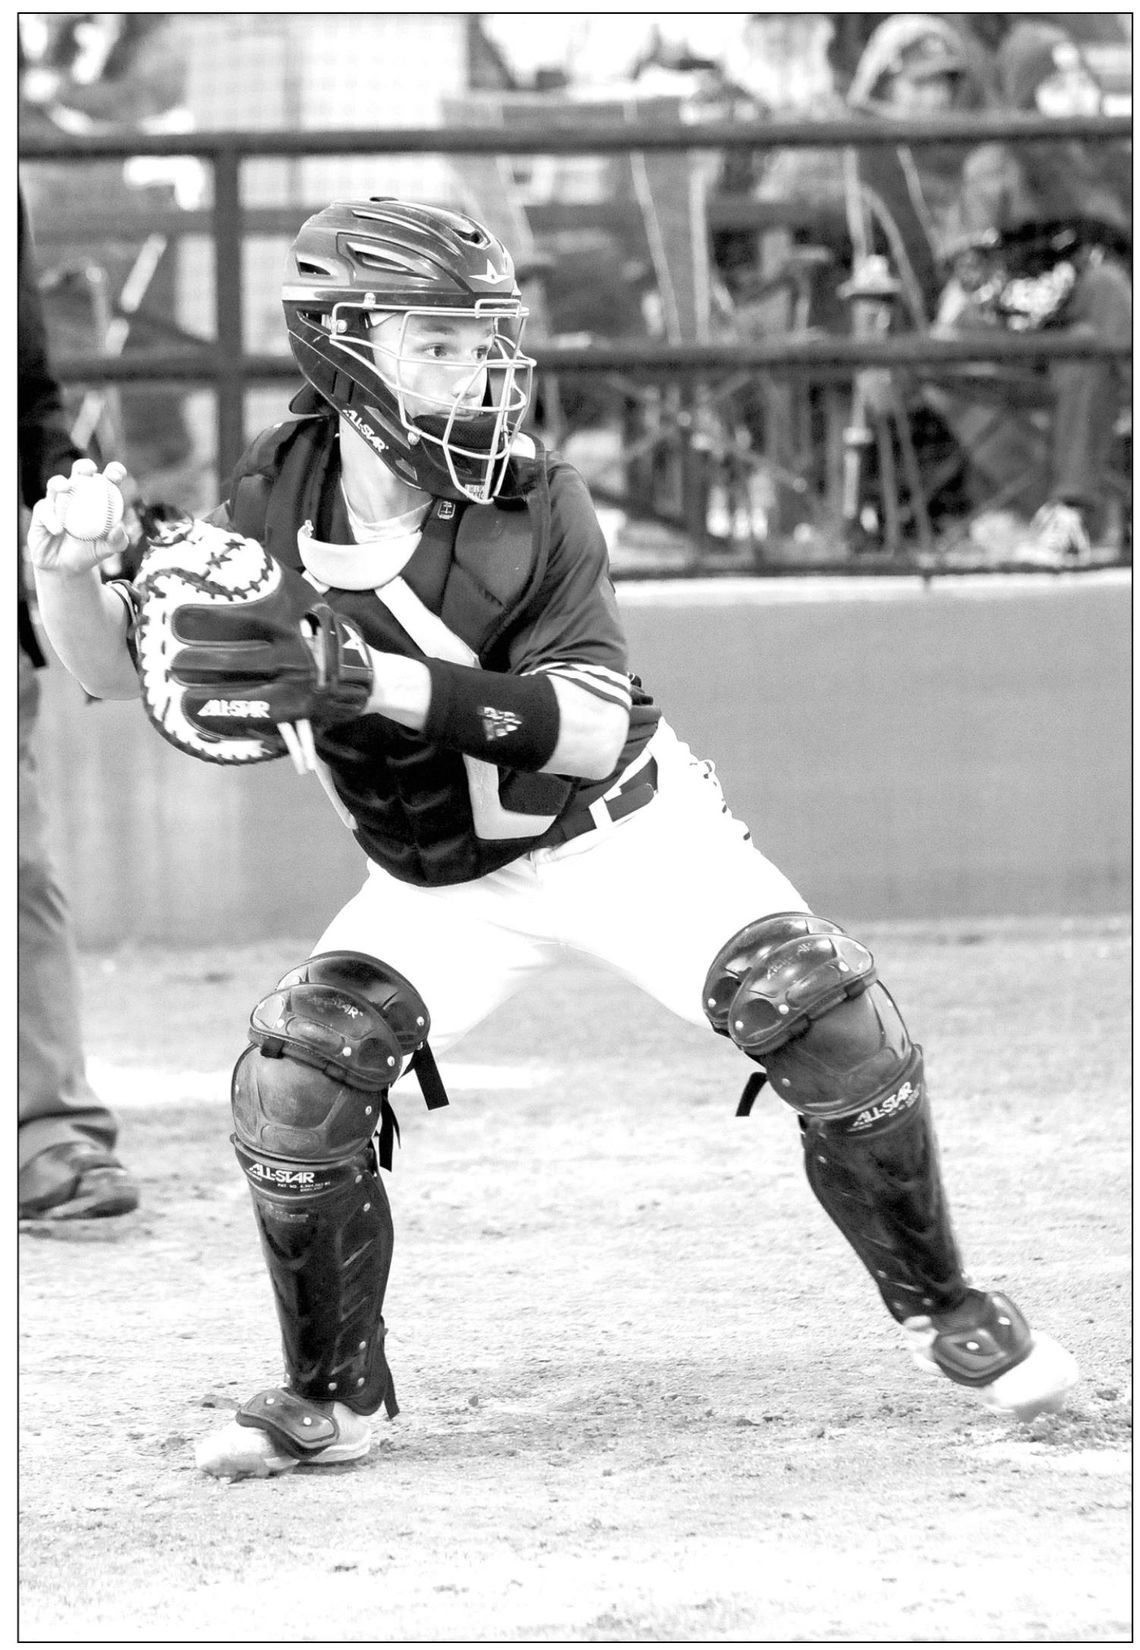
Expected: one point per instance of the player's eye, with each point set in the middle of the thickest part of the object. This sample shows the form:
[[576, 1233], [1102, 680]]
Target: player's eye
[[456, 356]]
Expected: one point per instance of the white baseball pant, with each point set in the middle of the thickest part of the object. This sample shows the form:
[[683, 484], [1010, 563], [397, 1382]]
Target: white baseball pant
[[654, 896]]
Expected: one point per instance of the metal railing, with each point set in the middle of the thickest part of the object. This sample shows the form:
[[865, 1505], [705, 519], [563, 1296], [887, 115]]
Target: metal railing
[[226, 366]]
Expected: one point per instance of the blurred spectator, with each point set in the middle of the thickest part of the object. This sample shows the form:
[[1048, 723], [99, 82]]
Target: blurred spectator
[[1107, 33], [783, 63], [896, 201], [112, 72], [822, 211], [901, 208], [914, 67], [66, 1163], [1006, 186], [1056, 213], [1048, 227], [708, 89], [99, 71]]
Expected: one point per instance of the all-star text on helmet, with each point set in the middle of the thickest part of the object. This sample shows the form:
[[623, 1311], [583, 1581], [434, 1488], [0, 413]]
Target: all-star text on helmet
[[364, 278]]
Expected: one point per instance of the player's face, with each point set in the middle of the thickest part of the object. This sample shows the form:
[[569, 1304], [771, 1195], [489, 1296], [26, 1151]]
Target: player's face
[[436, 362]]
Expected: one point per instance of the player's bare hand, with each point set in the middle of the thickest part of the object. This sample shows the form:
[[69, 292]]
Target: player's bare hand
[[52, 547]]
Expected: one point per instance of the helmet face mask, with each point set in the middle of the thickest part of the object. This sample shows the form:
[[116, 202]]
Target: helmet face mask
[[407, 319], [466, 407]]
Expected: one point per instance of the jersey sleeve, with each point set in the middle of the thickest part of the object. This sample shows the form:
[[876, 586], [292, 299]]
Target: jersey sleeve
[[571, 627]]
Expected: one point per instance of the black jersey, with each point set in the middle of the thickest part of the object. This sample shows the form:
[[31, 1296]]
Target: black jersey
[[522, 588]]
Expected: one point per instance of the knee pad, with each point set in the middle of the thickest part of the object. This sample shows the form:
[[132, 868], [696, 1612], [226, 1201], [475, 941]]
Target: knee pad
[[801, 997], [308, 1095], [325, 1047]]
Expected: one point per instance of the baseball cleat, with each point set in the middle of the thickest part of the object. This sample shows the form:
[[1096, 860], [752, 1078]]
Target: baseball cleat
[[277, 1431], [987, 1346]]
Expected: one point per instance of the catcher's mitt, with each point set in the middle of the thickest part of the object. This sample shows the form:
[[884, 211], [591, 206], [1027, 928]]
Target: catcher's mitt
[[237, 655]]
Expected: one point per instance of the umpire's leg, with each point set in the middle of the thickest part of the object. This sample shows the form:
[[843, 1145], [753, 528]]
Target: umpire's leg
[[56, 1103]]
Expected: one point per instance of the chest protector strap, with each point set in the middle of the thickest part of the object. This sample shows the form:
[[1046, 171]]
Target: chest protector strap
[[476, 566]]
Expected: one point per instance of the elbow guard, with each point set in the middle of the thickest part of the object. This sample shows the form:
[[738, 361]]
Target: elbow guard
[[512, 721]]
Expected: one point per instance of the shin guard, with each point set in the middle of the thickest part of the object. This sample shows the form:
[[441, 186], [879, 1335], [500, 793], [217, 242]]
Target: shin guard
[[878, 1177], [309, 1096], [326, 1236], [803, 999]]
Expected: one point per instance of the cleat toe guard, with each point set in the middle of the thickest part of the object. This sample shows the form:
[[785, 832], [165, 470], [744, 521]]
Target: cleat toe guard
[[277, 1431], [987, 1346]]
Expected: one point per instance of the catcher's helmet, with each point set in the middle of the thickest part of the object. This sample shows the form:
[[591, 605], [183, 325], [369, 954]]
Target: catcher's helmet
[[358, 263]]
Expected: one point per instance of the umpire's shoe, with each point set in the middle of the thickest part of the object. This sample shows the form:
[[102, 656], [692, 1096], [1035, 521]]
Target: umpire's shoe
[[277, 1431], [76, 1180], [986, 1345]]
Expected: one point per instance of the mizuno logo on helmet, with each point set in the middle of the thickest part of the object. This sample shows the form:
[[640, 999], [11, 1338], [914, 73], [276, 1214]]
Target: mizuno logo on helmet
[[492, 274]]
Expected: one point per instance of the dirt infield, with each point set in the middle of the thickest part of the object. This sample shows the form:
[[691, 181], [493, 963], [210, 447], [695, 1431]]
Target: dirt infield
[[648, 1394]]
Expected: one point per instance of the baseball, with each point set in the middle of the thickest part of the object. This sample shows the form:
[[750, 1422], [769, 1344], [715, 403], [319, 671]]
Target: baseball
[[92, 508]]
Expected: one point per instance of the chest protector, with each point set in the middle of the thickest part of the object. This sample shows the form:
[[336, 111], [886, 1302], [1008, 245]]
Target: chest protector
[[475, 567]]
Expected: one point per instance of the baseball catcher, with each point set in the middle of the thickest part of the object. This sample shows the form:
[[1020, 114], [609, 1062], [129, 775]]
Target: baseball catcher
[[409, 595]]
